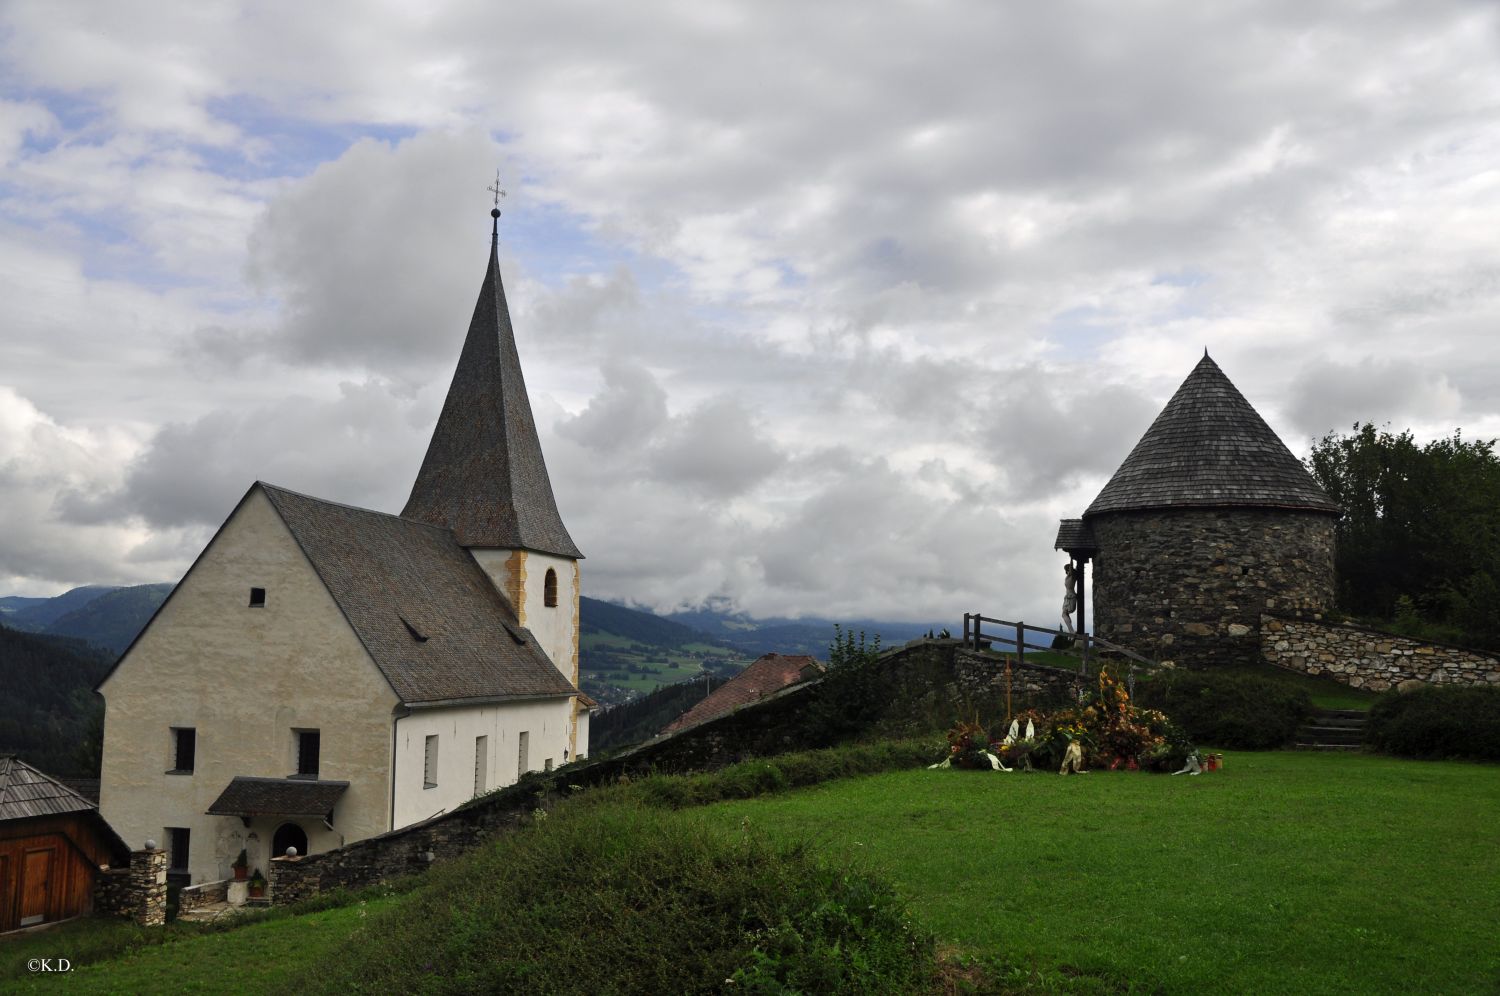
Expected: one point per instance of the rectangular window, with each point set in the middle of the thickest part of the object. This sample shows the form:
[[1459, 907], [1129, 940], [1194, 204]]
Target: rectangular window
[[309, 743], [481, 763], [547, 764], [184, 749], [257, 598], [429, 762], [523, 762], [177, 848]]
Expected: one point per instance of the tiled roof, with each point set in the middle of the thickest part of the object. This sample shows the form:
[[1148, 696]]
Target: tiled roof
[[248, 796], [483, 475], [1075, 534], [26, 792], [1208, 447], [424, 609], [765, 676]]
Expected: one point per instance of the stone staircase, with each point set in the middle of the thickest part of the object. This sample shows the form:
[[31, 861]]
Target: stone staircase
[[1332, 729]]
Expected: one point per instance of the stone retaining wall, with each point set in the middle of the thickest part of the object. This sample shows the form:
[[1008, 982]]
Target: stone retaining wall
[[195, 896], [1367, 658], [983, 677]]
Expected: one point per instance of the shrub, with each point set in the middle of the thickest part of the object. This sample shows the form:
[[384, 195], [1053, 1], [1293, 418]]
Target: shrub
[[607, 895], [1439, 721], [1228, 709], [761, 776]]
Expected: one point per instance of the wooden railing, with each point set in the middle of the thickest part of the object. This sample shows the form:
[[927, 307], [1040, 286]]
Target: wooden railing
[[1083, 644]]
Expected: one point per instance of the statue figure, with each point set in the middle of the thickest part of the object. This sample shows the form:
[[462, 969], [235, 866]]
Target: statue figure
[[1011, 737], [1192, 767], [1073, 759], [1070, 598]]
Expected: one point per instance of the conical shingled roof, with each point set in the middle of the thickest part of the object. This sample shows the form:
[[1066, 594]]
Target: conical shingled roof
[[483, 476], [1208, 447]]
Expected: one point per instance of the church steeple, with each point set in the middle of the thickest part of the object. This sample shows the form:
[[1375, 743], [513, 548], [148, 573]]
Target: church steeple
[[483, 475]]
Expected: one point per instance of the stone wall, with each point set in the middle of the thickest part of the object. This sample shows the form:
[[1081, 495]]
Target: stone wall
[[983, 678], [1367, 658], [139, 892], [195, 896], [1190, 585]]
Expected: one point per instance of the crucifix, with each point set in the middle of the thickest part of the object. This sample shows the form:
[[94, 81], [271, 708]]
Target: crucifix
[[495, 189]]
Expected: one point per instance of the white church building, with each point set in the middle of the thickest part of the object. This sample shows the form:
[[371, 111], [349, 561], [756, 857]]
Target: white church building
[[325, 673]]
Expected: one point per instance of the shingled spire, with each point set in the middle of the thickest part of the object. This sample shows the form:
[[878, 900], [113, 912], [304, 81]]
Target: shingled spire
[[483, 476], [1209, 447]]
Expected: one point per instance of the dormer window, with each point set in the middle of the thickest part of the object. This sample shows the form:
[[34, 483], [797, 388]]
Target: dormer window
[[549, 589], [257, 598]]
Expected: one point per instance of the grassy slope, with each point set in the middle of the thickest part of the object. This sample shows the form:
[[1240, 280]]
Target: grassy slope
[[256, 958], [1282, 873]]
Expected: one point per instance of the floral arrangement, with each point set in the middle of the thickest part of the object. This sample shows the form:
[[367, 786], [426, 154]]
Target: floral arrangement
[[1111, 731]]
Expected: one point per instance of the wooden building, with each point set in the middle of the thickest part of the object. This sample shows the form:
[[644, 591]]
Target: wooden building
[[52, 844]]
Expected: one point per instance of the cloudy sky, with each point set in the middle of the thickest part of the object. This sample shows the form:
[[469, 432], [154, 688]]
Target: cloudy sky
[[825, 309]]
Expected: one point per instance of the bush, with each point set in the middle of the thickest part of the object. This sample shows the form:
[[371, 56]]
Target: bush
[[1439, 721], [762, 776], [606, 895], [1228, 709]]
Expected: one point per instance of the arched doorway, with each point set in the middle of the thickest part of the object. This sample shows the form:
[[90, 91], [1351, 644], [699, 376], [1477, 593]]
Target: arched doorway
[[288, 835]]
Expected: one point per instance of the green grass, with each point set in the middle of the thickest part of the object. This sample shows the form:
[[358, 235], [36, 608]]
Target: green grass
[[255, 958], [1284, 873]]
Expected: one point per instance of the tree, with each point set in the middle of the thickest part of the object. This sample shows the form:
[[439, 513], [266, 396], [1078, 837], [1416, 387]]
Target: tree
[[1419, 542]]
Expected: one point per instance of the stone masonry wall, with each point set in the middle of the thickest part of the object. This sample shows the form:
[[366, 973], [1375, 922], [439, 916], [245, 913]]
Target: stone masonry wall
[[1190, 585], [1367, 658]]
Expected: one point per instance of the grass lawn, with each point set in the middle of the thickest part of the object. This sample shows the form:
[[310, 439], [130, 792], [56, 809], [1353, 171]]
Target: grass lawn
[[1283, 873], [255, 958]]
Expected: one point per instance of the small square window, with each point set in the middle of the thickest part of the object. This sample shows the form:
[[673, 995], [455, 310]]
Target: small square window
[[184, 749], [257, 598], [547, 764]]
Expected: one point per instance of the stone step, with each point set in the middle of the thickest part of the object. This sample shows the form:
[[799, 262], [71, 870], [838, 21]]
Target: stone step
[[1336, 723], [1359, 714], [1343, 747]]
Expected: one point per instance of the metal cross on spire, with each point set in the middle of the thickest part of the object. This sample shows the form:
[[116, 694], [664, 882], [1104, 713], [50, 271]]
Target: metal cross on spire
[[495, 189]]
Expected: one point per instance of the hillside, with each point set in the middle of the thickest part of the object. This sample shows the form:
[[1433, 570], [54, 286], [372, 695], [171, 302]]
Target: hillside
[[807, 635], [112, 620], [36, 614], [50, 715], [625, 653]]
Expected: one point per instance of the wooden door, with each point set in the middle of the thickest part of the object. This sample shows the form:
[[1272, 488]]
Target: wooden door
[[7, 896], [36, 884]]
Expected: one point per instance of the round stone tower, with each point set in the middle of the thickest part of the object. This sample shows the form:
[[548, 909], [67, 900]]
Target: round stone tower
[[1209, 523]]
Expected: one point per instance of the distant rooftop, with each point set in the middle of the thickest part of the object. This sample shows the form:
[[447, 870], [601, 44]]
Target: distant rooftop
[[766, 676]]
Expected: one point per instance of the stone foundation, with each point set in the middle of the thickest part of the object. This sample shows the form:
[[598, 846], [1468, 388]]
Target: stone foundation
[[1190, 585], [1367, 658]]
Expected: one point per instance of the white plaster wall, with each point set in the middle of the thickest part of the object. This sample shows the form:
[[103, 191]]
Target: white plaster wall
[[556, 628], [244, 678], [581, 745], [548, 721]]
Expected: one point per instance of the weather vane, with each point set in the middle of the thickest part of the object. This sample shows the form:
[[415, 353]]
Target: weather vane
[[496, 190]]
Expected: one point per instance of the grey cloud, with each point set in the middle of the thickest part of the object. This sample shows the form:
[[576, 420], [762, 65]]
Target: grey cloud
[[1327, 396], [193, 473], [716, 449]]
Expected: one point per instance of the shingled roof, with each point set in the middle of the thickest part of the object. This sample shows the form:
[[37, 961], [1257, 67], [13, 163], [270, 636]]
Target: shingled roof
[[483, 475], [765, 676], [1208, 447], [246, 795], [424, 609], [27, 792]]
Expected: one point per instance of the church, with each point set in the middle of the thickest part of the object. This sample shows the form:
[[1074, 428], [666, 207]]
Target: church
[[324, 673]]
